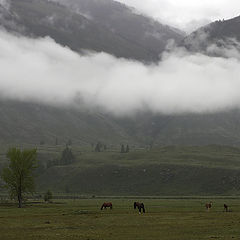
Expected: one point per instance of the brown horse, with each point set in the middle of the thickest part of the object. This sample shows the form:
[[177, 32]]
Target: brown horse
[[208, 206], [140, 207], [225, 207], [107, 204]]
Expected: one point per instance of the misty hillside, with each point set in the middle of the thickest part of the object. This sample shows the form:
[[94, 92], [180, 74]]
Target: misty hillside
[[101, 26], [34, 123], [223, 33], [113, 28], [114, 101], [126, 22]]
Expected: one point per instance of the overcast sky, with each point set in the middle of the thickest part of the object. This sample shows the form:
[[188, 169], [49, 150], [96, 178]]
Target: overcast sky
[[187, 14]]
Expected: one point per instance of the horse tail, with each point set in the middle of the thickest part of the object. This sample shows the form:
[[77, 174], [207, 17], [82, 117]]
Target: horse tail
[[111, 206], [135, 205]]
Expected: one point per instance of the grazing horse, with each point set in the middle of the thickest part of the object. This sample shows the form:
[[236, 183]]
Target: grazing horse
[[140, 207], [107, 204], [208, 206], [225, 207]]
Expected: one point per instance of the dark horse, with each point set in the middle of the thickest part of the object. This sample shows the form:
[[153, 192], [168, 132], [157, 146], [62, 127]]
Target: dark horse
[[106, 204], [140, 207], [225, 206]]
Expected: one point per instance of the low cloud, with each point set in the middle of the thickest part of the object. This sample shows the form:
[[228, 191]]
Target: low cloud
[[5, 4], [42, 71]]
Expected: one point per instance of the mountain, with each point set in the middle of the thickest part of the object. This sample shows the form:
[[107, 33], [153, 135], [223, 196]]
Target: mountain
[[126, 22], [101, 26], [222, 33], [105, 25], [186, 129], [32, 123]]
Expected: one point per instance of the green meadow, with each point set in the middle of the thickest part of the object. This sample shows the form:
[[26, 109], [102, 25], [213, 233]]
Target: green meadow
[[161, 171], [165, 219]]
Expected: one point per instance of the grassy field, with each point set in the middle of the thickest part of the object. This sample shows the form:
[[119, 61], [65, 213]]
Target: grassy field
[[165, 219]]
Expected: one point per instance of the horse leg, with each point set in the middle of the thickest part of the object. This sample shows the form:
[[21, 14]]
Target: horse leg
[[140, 210]]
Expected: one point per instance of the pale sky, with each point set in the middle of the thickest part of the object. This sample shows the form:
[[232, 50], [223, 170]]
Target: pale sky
[[187, 14]]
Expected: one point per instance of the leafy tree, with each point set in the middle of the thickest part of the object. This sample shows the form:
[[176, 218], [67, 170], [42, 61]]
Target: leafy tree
[[105, 147], [98, 147], [127, 149], [18, 175], [122, 149], [67, 156], [48, 196]]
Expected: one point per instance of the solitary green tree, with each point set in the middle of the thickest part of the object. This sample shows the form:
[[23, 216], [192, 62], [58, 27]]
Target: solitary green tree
[[18, 175]]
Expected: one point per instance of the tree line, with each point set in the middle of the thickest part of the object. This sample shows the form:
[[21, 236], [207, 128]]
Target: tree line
[[67, 157]]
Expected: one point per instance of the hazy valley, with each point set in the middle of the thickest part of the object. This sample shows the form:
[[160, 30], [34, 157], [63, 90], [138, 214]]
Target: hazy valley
[[139, 44]]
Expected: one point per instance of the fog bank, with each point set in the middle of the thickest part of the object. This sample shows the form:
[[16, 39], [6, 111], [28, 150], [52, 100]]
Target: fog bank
[[42, 71]]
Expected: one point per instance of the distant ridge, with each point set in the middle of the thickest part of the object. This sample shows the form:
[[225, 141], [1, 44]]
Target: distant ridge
[[101, 26]]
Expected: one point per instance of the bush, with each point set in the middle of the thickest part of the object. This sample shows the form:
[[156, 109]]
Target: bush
[[48, 196]]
